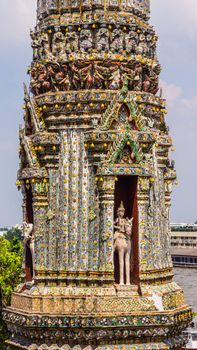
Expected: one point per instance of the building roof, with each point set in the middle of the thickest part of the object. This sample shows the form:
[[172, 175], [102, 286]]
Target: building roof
[[184, 251], [183, 227], [183, 234]]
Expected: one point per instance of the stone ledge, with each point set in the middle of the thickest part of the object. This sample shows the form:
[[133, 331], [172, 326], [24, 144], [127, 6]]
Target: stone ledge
[[150, 346], [84, 301], [131, 320]]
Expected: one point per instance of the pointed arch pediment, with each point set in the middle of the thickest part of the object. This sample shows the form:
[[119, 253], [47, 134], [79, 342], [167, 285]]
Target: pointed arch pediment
[[122, 115], [123, 118], [124, 150]]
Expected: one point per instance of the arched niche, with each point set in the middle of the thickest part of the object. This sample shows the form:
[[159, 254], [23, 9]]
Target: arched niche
[[126, 192]]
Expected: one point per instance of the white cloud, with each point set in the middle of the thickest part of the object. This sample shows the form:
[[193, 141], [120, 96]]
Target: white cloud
[[175, 97], [171, 92]]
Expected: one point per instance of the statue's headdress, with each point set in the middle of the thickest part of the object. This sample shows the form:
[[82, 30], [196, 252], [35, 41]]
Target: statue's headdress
[[121, 207]]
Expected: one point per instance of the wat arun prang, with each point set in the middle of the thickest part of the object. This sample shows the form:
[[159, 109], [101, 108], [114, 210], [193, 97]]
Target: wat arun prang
[[96, 180]]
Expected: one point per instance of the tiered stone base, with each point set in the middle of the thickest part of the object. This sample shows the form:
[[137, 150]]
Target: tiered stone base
[[98, 318]]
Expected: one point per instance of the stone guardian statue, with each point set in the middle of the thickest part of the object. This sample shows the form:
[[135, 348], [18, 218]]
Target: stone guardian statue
[[28, 241], [122, 244]]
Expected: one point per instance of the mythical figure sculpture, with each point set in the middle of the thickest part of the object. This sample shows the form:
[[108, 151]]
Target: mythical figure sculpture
[[146, 83], [128, 156], [142, 49], [54, 76], [86, 40], [28, 241], [86, 76], [44, 41], [58, 43], [50, 57], [154, 79], [53, 69], [51, 5], [35, 44], [41, 8], [102, 39], [116, 41], [72, 42], [137, 80], [131, 41], [107, 75], [76, 77], [128, 70], [99, 79], [62, 78], [115, 82], [103, 74], [152, 47], [39, 83], [122, 244], [74, 4]]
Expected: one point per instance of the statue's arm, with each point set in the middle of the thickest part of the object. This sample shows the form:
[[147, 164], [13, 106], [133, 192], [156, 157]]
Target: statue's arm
[[31, 228], [115, 224], [28, 232], [26, 239]]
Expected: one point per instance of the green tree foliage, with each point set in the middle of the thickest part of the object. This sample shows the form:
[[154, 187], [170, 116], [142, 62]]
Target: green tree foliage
[[10, 267], [14, 234], [10, 270]]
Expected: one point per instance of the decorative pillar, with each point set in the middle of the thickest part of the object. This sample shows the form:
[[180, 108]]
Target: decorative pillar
[[106, 198]]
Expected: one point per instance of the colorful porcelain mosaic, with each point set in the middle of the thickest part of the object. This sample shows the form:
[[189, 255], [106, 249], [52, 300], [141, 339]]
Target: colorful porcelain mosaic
[[96, 176]]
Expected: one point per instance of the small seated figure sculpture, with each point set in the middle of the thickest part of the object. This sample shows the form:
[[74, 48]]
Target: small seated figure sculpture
[[122, 243]]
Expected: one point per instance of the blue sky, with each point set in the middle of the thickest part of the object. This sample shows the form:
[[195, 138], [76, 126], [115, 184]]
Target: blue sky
[[176, 25]]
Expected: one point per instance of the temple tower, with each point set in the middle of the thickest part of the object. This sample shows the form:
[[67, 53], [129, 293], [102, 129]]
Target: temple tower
[[96, 180]]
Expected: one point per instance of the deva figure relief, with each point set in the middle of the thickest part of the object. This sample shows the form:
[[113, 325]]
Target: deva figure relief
[[102, 39], [116, 41], [71, 41], [86, 41], [35, 44], [44, 42], [131, 41], [58, 43]]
